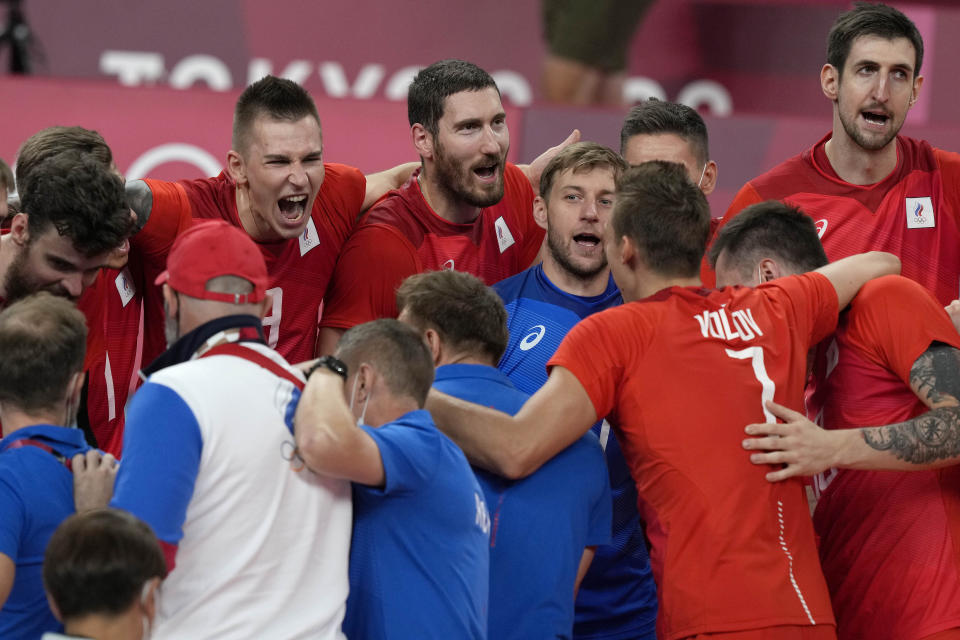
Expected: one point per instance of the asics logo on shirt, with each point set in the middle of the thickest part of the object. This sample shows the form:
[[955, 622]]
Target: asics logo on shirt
[[533, 338]]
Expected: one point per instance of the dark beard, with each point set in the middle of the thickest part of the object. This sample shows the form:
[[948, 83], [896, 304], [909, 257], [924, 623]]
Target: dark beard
[[451, 179]]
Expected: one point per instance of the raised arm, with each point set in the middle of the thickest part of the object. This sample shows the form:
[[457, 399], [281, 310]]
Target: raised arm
[[550, 421], [928, 441], [849, 274], [327, 435], [379, 183]]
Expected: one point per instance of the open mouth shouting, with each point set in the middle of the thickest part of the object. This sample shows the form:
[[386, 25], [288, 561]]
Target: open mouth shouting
[[875, 118], [587, 240], [293, 207], [489, 171]]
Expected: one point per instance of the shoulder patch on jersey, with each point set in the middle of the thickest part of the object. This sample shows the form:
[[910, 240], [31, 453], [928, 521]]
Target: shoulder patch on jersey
[[920, 213], [309, 238], [125, 286], [504, 237]]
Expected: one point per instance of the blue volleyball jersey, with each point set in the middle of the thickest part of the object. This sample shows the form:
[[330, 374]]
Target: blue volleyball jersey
[[419, 563], [617, 598], [566, 501]]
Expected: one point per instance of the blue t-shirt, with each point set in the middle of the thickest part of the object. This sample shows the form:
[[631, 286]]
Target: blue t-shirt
[[617, 598], [36, 495], [419, 563], [567, 501]]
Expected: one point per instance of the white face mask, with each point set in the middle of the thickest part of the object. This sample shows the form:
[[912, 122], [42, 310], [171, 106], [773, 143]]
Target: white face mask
[[760, 274], [366, 403]]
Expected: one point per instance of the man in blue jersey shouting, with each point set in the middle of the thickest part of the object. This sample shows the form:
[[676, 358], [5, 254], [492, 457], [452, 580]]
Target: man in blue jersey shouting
[[617, 598]]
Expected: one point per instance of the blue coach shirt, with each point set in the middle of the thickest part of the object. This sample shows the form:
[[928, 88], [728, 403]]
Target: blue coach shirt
[[617, 598], [36, 495], [419, 564], [541, 523]]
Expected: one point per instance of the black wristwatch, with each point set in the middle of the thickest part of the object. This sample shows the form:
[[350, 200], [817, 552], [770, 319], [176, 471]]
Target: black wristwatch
[[331, 363]]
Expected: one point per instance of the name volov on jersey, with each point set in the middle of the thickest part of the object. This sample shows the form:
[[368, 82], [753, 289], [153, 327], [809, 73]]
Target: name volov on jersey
[[738, 324]]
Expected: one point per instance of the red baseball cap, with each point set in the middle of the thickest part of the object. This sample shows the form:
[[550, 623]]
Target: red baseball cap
[[211, 249]]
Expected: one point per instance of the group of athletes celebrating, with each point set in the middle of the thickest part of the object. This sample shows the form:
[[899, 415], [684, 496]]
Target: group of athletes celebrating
[[620, 432]]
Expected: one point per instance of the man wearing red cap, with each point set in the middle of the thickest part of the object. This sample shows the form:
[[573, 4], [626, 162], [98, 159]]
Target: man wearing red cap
[[253, 540]]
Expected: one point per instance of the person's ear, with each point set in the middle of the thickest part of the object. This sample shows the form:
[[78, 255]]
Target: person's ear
[[149, 598], [709, 180], [172, 300], [830, 82], [236, 167], [422, 141], [19, 229], [432, 338], [540, 211], [769, 270]]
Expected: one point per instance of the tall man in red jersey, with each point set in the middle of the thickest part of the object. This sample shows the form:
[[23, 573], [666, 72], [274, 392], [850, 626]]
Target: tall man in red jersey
[[467, 208], [889, 542], [679, 368], [299, 209], [865, 186]]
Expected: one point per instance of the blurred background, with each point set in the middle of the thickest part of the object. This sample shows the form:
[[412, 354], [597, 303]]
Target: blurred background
[[159, 79]]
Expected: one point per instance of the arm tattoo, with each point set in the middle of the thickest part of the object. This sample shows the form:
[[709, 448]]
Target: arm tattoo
[[934, 435], [140, 199]]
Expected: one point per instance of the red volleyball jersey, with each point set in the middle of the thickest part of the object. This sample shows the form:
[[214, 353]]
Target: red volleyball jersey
[[889, 541], [913, 213], [299, 269], [681, 373], [402, 236]]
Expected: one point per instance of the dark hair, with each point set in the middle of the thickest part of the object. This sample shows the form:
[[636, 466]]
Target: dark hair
[[6, 176], [468, 315], [276, 98], [396, 351], [98, 561], [769, 229], [665, 215], [43, 340], [53, 141], [429, 90], [81, 198], [582, 156], [867, 19], [652, 117]]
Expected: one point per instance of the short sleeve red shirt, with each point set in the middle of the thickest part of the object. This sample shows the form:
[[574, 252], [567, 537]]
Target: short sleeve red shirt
[[299, 269], [914, 213], [885, 536], [681, 374], [401, 236]]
